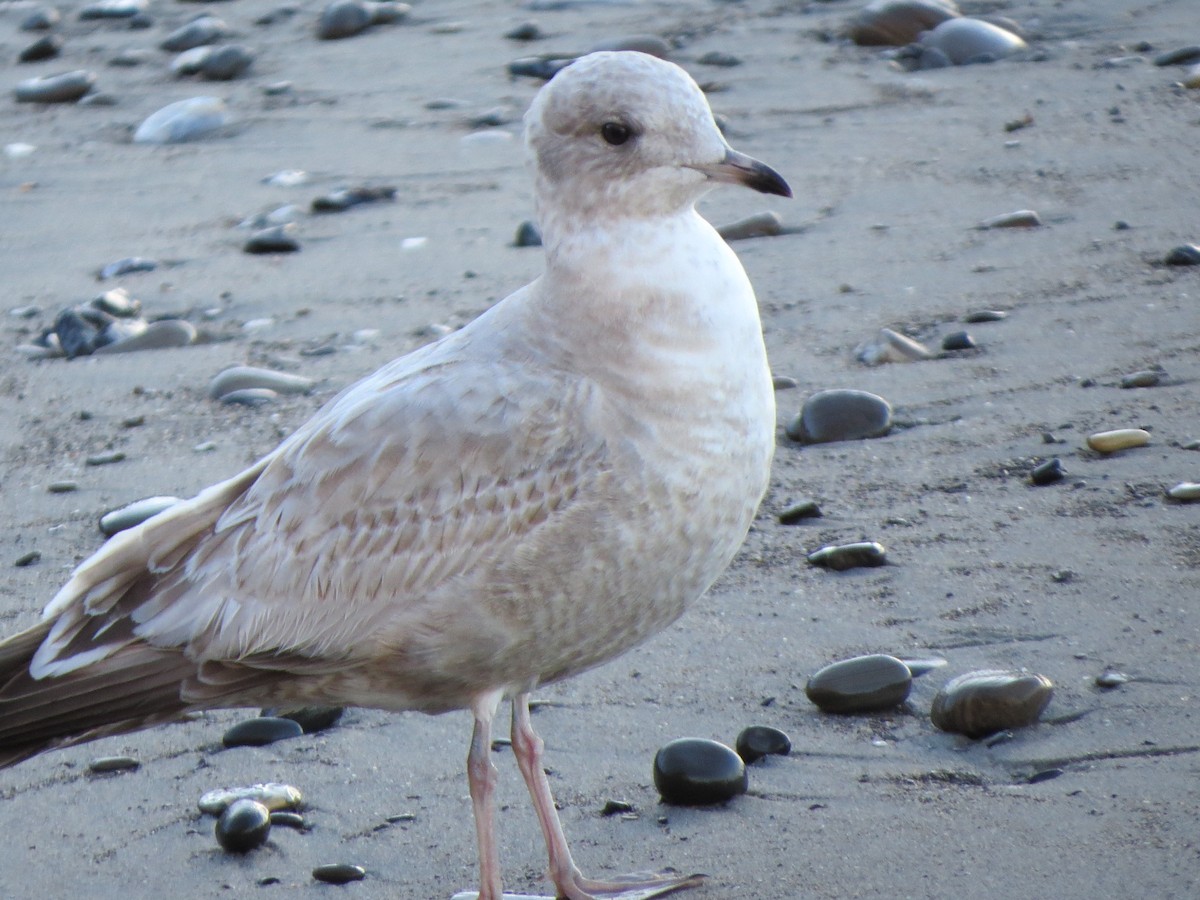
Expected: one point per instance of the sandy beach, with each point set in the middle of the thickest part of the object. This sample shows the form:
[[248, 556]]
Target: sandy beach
[[892, 172]]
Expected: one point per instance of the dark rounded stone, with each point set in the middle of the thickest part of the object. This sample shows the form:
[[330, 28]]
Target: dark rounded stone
[[862, 684], [244, 825], [343, 19], [841, 415], [981, 703], [196, 33], [339, 873], [798, 512], [861, 554], [310, 718], [47, 46], [65, 88], [697, 772], [289, 820], [1048, 472], [276, 239], [1180, 56], [984, 315], [260, 732], [527, 235], [1184, 255], [226, 63], [105, 764], [758, 741], [958, 340]]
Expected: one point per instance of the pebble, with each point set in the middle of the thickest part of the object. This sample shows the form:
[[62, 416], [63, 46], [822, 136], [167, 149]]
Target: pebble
[[196, 33], [984, 315], [161, 335], [1183, 255], [981, 703], [919, 667], [1022, 218], [543, 67], [339, 873], [890, 346], [47, 46], [336, 201], [311, 719], [245, 825], [133, 514], [964, 41], [276, 239], [289, 820], [1109, 679], [224, 63], [1143, 379], [184, 120], [1047, 472], [719, 59], [526, 31], [527, 235], [126, 266], [346, 18], [249, 397], [273, 795], [239, 378], [41, 19], [798, 512], [1185, 492], [765, 224], [260, 732], [105, 459], [958, 340], [849, 556], [28, 559], [784, 382], [757, 741], [62, 487], [698, 772], [841, 415], [1043, 775], [862, 684], [1119, 439], [894, 23], [1180, 56], [113, 9], [104, 764], [64, 88]]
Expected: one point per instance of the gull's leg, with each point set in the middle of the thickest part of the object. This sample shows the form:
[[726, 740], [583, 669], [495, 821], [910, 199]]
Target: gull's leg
[[481, 774], [570, 882]]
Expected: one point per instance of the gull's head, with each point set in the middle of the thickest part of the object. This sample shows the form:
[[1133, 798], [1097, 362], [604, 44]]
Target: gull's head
[[624, 134]]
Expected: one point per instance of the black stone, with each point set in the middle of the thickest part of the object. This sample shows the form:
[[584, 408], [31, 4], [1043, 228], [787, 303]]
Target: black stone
[[1048, 472], [244, 825], [46, 47], [959, 340], [798, 512], [527, 235], [757, 741], [697, 772], [310, 718], [862, 684], [849, 556], [260, 732], [1184, 255], [339, 873]]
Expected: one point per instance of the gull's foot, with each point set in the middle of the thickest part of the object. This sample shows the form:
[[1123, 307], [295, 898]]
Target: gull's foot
[[639, 886]]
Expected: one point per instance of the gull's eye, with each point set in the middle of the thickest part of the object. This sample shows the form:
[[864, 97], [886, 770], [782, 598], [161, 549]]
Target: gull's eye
[[615, 133]]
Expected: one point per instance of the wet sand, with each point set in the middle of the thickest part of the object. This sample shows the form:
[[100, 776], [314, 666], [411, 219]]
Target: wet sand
[[892, 171]]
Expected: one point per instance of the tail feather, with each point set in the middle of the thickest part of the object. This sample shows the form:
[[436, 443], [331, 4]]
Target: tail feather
[[135, 688]]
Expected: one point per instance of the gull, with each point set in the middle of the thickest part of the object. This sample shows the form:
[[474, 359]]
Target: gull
[[522, 500]]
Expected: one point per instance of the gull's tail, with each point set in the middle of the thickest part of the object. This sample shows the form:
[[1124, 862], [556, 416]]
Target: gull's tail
[[134, 688]]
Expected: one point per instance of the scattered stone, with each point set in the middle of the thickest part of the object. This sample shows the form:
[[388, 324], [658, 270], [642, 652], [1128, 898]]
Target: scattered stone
[[47, 46], [105, 764], [527, 235], [964, 41], [698, 772], [276, 239], [1181, 56], [272, 795], [849, 556], [1109, 679], [41, 19], [841, 415], [1183, 255], [239, 378], [1185, 492], [105, 459], [526, 31], [784, 382], [65, 88], [1118, 439], [250, 397], [617, 807], [260, 732], [289, 820], [311, 719], [1048, 472], [757, 741], [224, 63], [28, 559], [1022, 218], [1143, 379], [890, 346], [1043, 775], [894, 23], [798, 512], [196, 33], [125, 266], [62, 487], [339, 200], [113, 9], [984, 315], [958, 340], [764, 224], [719, 59], [346, 18], [184, 120], [862, 684], [339, 873], [133, 514], [242, 827], [543, 67], [981, 703]]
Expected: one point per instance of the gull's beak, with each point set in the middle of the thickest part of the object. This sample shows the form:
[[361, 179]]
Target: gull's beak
[[738, 168]]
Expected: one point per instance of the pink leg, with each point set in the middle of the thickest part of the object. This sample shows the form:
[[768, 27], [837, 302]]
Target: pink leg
[[481, 774], [570, 882]]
